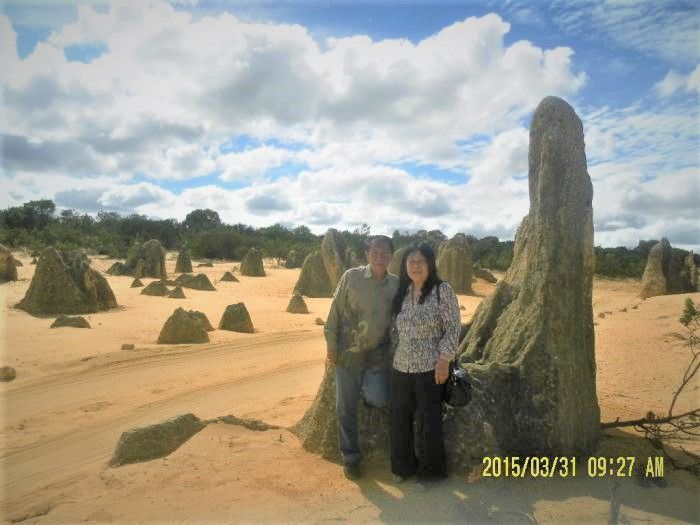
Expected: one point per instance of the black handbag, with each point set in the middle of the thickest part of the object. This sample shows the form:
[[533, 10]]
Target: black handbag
[[457, 391]]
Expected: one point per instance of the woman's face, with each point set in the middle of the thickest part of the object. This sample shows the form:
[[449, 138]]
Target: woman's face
[[417, 267]]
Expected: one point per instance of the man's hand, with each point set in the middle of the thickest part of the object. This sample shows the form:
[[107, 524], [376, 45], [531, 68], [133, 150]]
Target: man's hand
[[330, 356], [442, 370]]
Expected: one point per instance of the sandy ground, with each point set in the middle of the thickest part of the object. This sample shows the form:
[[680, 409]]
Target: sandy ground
[[76, 391]]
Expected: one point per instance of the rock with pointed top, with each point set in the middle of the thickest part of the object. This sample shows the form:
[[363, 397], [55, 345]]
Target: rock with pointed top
[[655, 278], [183, 327], [252, 264], [297, 305], [313, 279], [333, 250], [177, 293], [156, 288], [147, 260], [533, 337], [65, 284], [229, 277], [71, 321], [236, 319], [136, 283]]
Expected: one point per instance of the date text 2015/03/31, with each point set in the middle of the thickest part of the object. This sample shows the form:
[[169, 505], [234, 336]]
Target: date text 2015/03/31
[[565, 467]]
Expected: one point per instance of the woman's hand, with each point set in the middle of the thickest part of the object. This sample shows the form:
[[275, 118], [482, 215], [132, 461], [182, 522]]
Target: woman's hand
[[442, 370]]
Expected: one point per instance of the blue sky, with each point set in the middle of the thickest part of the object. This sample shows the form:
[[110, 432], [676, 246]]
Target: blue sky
[[403, 115]]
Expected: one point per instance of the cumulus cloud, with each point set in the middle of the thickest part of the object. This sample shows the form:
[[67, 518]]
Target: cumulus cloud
[[252, 163]]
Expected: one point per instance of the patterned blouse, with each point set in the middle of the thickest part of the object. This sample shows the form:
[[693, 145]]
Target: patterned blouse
[[424, 332]]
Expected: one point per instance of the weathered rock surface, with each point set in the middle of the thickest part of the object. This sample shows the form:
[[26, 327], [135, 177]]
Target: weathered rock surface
[[333, 251], [7, 373], [691, 271], [136, 283], [155, 441], [184, 327], [8, 270], [156, 288], [395, 264], [177, 293], [297, 305], [237, 319], [454, 264], [196, 282], [229, 277], [313, 279], [72, 321], [294, 259], [252, 265], [65, 284], [183, 264], [148, 260], [119, 268], [319, 321], [533, 337], [668, 271]]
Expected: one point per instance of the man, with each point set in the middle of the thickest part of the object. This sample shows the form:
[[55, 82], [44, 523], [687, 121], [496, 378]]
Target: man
[[357, 339]]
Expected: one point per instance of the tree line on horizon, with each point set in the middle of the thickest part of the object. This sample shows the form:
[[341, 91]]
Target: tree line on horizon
[[37, 224]]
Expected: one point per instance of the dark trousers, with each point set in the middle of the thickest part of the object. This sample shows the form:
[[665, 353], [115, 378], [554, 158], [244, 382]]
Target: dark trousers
[[416, 397]]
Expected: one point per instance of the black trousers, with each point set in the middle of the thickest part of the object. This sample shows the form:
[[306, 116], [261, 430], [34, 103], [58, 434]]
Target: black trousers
[[416, 398]]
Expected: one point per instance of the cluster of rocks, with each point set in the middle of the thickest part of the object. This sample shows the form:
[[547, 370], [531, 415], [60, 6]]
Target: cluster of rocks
[[669, 272], [533, 338], [322, 269], [65, 284], [191, 326], [144, 260]]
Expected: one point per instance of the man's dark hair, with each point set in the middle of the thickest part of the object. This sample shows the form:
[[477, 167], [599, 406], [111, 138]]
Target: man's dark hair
[[377, 239]]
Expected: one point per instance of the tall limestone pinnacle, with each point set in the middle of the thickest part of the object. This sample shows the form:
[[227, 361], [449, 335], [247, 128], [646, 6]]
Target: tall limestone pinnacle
[[531, 345]]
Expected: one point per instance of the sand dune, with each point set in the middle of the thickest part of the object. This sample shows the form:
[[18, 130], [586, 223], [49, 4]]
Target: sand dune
[[76, 391]]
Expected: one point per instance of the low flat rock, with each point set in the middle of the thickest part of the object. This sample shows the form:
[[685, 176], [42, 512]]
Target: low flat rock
[[7, 373], [156, 288], [155, 441]]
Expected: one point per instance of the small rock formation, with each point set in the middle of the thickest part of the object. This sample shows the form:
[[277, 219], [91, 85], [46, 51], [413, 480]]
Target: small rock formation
[[313, 279], [236, 319], [333, 251], [156, 288], [128, 346], [8, 270], [252, 265], [533, 338], [183, 263], [74, 322], [184, 327], [177, 293], [294, 259], [119, 268], [153, 256], [297, 305], [7, 373], [484, 274], [155, 441], [320, 322], [668, 272], [196, 282], [454, 264], [691, 271], [65, 284], [228, 276], [395, 264], [136, 283]]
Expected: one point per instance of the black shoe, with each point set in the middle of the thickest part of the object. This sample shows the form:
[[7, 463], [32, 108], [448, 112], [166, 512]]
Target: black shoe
[[352, 471]]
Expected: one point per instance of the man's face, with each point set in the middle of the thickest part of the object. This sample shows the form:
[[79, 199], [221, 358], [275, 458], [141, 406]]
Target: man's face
[[379, 257]]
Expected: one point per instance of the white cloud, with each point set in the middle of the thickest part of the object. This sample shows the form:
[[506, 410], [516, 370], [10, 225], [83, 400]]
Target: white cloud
[[252, 163], [674, 81]]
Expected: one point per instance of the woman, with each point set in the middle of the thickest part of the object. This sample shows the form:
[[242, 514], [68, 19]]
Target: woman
[[426, 332]]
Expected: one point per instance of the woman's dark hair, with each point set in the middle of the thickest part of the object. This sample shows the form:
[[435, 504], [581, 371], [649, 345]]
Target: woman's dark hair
[[404, 280]]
